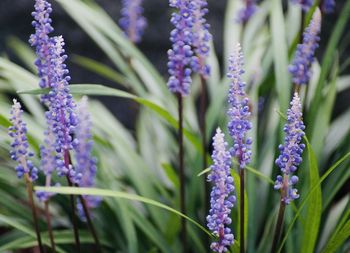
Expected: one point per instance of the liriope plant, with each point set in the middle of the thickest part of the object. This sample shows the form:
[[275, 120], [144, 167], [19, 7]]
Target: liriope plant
[[138, 174]]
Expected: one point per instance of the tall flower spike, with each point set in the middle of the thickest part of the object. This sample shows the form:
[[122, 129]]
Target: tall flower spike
[[304, 4], [61, 111], [247, 11], [132, 21], [304, 56], [328, 6], [222, 197], [85, 163], [181, 56], [41, 41], [201, 37], [291, 152], [238, 112], [19, 145]]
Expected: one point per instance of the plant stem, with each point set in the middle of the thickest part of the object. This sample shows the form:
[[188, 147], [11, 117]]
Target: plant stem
[[34, 212], [90, 224], [203, 126], [241, 214], [48, 219], [73, 217], [182, 174], [278, 229]]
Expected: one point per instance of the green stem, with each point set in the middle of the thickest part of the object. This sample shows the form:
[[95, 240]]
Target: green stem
[[241, 214], [278, 229], [49, 228]]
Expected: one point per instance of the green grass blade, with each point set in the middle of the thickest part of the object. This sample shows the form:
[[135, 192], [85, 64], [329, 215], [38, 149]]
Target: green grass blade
[[339, 238], [121, 195], [314, 207]]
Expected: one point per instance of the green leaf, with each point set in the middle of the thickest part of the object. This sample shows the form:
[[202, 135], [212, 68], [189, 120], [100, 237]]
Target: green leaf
[[314, 207], [309, 194], [338, 239], [280, 54], [118, 194], [15, 224]]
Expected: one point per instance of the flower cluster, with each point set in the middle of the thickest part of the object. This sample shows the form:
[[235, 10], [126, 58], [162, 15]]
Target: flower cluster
[[201, 37], [238, 112], [304, 4], [132, 21], [222, 197], [291, 152], [41, 41], [85, 163], [181, 56], [328, 6], [19, 145], [247, 11], [304, 56]]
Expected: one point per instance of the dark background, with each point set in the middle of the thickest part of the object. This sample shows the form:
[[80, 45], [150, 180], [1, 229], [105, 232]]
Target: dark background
[[15, 20]]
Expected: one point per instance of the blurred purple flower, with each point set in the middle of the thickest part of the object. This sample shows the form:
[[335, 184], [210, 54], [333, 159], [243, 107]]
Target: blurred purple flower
[[247, 11], [201, 37], [222, 197], [181, 56], [328, 6], [238, 112], [19, 145], [304, 4], [291, 152], [85, 168], [132, 21], [304, 55]]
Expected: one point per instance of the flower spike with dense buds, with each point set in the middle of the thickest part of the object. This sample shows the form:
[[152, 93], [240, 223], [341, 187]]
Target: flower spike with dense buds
[[19, 145], [238, 112], [222, 197], [304, 56], [181, 56], [132, 21], [304, 4], [201, 38], [85, 163], [328, 6], [291, 152], [247, 11]]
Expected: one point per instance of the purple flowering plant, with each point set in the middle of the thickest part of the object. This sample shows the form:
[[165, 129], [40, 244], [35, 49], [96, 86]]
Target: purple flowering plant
[[187, 136]]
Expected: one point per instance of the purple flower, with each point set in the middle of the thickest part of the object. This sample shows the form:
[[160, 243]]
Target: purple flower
[[132, 21], [247, 11], [291, 152], [328, 6], [304, 56], [48, 162], [222, 197], [201, 37], [181, 56], [238, 112], [304, 4], [19, 145], [42, 42], [85, 168]]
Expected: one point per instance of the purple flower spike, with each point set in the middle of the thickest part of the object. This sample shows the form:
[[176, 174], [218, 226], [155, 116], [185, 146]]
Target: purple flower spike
[[328, 6], [304, 4], [48, 163], [247, 11], [42, 42], [19, 145], [132, 21], [85, 169], [291, 152], [238, 112], [181, 56], [222, 197], [304, 56], [201, 37]]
